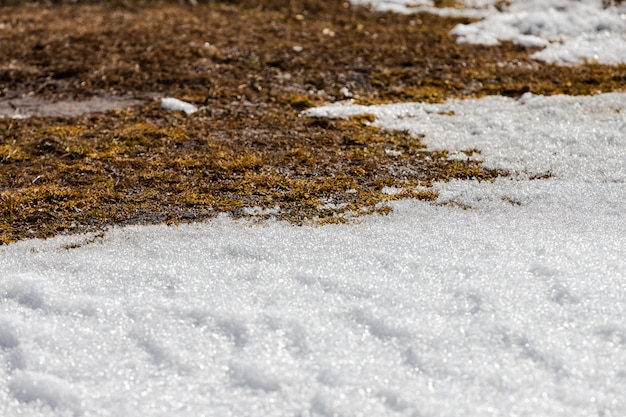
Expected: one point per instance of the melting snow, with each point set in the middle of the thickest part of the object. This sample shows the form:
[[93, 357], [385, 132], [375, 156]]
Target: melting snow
[[505, 298], [570, 32], [568, 137]]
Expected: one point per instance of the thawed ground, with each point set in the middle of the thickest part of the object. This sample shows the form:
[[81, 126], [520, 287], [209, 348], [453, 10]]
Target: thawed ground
[[500, 299]]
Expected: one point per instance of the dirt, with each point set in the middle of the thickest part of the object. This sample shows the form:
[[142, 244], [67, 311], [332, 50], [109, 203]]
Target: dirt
[[251, 67]]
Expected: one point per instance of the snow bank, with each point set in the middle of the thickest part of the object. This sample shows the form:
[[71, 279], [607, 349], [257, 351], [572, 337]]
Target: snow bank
[[501, 299]]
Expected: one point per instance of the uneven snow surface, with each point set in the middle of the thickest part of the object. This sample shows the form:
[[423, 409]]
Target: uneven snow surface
[[569, 31], [509, 299]]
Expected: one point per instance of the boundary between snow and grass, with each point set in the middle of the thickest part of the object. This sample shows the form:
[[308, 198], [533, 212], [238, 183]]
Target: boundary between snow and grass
[[245, 151], [568, 32], [563, 136], [515, 307]]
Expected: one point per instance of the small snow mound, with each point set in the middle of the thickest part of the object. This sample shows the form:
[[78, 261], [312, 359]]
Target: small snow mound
[[174, 104], [391, 190], [606, 48], [29, 387]]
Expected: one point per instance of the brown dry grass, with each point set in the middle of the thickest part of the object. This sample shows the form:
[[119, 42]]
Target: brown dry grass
[[248, 147]]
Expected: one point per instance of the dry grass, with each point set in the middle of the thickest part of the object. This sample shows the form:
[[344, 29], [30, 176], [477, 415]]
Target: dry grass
[[248, 147]]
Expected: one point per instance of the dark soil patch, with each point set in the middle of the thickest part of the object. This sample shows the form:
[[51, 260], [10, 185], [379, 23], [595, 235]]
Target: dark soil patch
[[252, 66]]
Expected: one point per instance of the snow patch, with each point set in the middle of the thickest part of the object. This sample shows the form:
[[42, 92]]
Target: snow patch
[[391, 190], [174, 104], [571, 32]]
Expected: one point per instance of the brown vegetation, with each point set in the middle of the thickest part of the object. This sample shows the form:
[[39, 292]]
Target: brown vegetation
[[252, 66]]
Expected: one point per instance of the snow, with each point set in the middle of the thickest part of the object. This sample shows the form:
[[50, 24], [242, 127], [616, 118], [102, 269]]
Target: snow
[[472, 8], [504, 298], [174, 104], [29, 387], [570, 32], [568, 137]]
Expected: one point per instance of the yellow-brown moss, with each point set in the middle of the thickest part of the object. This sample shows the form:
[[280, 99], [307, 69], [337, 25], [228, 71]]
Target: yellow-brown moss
[[248, 146]]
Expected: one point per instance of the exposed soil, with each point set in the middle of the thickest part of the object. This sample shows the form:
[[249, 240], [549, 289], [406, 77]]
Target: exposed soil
[[252, 66]]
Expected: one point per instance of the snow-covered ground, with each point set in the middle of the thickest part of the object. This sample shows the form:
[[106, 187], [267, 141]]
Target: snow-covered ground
[[500, 299], [467, 8], [569, 31]]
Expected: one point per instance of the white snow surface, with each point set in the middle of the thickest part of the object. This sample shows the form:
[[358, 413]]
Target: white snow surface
[[569, 31], [174, 104], [470, 8], [504, 298]]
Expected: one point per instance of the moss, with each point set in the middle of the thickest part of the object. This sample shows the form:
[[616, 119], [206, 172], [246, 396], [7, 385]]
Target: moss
[[364, 119], [446, 3], [11, 153], [297, 101]]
